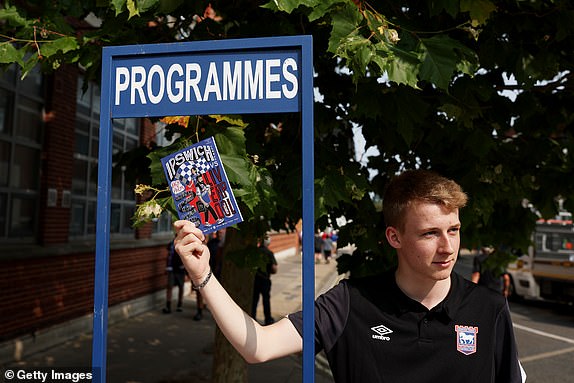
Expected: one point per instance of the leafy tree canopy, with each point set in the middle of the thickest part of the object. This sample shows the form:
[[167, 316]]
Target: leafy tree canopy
[[479, 90]]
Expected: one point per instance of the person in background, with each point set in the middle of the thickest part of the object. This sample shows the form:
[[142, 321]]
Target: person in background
[[318, 243], [175, 277], [262, 282], [327, 246], [484, 276], [215, 247], [334, 239]]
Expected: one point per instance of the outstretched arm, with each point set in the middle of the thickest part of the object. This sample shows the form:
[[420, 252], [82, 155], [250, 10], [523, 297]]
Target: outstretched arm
[[254, 342]]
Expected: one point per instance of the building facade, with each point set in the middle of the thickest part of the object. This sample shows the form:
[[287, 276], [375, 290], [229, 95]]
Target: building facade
[[49, 133], [48, 189]]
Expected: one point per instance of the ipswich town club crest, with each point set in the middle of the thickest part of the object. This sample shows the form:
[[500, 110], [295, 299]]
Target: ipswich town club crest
[[466, 338]]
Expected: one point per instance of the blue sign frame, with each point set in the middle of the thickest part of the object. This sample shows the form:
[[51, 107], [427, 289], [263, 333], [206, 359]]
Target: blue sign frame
[[240, 76]]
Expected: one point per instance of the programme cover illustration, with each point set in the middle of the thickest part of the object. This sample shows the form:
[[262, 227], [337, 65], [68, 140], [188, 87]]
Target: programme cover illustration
[[200, 188]]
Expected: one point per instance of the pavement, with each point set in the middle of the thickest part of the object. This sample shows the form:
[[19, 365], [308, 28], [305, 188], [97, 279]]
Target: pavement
[[173, 348]]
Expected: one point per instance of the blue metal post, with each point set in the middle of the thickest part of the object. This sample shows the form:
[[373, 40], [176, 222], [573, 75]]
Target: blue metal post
[[102, 228], [308, 213]]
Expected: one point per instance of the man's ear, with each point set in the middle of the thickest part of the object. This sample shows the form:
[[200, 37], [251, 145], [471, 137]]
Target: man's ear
[[393, 237]]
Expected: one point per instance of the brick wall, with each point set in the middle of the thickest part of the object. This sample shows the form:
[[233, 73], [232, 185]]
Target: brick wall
[[283, 241], [38, 293], [41, 292], [57, 154]]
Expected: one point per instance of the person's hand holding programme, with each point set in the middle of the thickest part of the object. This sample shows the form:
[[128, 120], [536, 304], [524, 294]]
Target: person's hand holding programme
[[189, 244]]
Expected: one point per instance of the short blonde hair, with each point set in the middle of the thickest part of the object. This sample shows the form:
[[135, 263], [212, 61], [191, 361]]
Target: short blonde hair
[[414, 186]]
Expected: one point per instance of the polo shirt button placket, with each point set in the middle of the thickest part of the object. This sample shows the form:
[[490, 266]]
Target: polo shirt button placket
[[424, 331]]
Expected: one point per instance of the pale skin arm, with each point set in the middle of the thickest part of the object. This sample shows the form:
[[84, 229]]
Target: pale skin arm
[[254, 342]]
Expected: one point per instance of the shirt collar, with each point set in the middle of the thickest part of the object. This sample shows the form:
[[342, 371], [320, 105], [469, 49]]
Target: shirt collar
[[400, 303]]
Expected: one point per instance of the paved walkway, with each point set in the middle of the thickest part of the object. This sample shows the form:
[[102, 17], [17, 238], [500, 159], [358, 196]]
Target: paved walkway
[[159, 348]]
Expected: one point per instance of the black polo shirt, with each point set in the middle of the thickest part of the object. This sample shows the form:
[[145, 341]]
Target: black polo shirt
[[372, 332]]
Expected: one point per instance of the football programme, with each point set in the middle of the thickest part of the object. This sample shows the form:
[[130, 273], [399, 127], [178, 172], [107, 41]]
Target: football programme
[[200, 188]]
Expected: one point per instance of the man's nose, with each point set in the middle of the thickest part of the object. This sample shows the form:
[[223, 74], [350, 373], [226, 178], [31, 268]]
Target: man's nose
[[446, 244]]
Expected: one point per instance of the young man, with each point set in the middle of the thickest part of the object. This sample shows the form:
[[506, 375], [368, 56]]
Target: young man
[[419, 323]]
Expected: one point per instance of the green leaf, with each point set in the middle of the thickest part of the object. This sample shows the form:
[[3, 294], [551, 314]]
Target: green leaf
[[290, 5], [351, 46], [236, 169], [449, 6], [402, 68], [249, 197], [11, 16], [263, 181], [146, 5], [332, 189], [132, 9], [345, 22], [364, 54], [322, 8], [156, 170], [63, 44], [377, 24], [9, 54], [452, 111], [29, 64], [479, 10], [319, 8], [335, 189], [466, 66], [118, 5], [359, 53], [235, 121], [439, 61], [441, 57], [230, 141], [259, 195], [272, 5]]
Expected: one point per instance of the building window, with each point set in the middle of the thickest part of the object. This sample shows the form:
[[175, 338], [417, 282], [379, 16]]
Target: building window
[[163, 224], [84, 180], [21, 134]]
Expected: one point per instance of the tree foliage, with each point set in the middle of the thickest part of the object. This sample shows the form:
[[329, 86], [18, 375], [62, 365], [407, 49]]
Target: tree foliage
[[479, 90]]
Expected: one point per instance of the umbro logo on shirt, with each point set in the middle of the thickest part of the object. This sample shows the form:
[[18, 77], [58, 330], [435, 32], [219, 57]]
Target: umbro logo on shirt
[[381, 332]]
